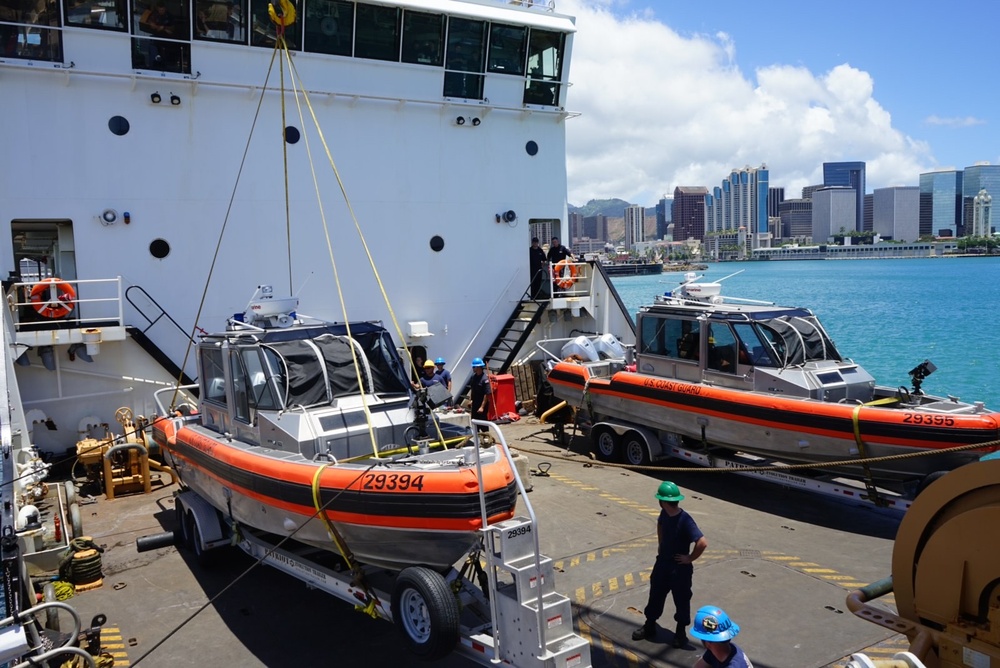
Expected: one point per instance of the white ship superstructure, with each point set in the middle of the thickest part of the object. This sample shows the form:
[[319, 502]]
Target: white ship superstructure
[[129, 129]]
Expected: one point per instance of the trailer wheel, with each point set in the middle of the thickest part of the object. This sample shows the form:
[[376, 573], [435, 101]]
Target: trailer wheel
[[635, 450], [182, 530], [927, 481], [426, 612], [606, 443]]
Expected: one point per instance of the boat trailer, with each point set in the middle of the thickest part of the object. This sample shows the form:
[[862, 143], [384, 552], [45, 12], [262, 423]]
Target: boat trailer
[[509, 613]]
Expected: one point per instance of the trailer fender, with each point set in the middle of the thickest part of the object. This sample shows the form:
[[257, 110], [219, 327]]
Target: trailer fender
[[206, 526]]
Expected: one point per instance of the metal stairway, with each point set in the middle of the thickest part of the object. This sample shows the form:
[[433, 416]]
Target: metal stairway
[[531, 635], [515, 332]]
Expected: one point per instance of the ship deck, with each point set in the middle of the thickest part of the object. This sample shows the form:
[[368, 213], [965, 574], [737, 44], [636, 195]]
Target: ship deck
[[780, 562]]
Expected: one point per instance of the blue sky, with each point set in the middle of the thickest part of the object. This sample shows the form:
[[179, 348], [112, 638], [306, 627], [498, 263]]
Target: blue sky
[[675, 93]]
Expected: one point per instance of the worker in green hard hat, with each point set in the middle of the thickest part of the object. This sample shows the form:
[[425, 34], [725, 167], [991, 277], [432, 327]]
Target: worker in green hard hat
[[680, 542]]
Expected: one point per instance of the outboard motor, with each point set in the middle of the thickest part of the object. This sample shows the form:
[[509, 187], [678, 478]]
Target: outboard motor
[[609, 347], [582, 347]]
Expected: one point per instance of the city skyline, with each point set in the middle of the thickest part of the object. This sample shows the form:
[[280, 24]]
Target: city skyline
[[791, 87]]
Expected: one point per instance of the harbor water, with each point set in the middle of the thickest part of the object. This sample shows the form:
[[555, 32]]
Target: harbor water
[[886, 315]]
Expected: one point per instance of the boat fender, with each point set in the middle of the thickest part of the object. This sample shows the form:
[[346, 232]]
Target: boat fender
[[49, 304]]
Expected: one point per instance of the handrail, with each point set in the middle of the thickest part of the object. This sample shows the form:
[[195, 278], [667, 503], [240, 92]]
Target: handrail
[[163, 311], [24, 288], [505, 449]]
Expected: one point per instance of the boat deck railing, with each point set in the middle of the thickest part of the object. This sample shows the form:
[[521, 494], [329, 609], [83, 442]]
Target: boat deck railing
[[95, 307]]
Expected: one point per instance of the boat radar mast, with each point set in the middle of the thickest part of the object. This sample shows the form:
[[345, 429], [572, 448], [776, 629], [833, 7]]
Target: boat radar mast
[[268, 312]]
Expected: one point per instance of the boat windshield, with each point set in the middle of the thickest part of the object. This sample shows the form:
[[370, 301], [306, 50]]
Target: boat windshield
[[798, 340]]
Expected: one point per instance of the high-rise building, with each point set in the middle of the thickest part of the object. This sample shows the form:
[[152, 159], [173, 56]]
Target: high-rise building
[[896, 213], [868, 225], [775, 196], [941, 203], [807, 191], [848, 175], [663, 217], [635, 225], [981, 176], [739, 207], [982, 209], [688, 212], [596, 227], [576, 227], [796, 220], [833, 213]]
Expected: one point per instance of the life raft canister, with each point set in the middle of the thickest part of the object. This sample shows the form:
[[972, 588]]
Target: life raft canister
[[52, 298], [565, 274]]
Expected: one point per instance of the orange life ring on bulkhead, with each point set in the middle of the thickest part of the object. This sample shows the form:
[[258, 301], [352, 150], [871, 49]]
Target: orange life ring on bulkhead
[[52, 298], [565, 274]]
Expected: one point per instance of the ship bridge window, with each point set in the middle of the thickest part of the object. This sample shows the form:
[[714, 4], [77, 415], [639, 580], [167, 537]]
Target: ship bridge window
[[670, 337], [329, 27], [377, 35], [545, 61], [161, 32], [213, 375], [423, 38], [507, 49], [262, 29], [722, 348], [465, 59], [220, 20], [97, 14], [30, 30], [754, 349]]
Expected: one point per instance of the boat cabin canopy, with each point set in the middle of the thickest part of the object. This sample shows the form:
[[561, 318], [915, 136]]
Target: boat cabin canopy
[[302, 366], [776, 340]]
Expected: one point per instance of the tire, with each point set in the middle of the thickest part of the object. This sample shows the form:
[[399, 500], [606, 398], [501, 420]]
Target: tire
[[605, 444], [75, 521], [635, 452], [425, 612], [182, 530], [70, 492]]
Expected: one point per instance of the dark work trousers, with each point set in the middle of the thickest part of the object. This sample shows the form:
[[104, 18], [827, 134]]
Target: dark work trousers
[[670, 577]]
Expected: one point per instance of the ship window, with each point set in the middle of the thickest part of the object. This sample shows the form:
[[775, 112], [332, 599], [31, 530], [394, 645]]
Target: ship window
[[377, 34], [97, 14], [213, 375], [753, 350], [161, 36], [329, 27], [220, 20], [262, 28], [722, 349], [118, 125], [670, 337], [507, 48], [466, 56], [241, 392], [36, 37], [545, 56], [423, 38]]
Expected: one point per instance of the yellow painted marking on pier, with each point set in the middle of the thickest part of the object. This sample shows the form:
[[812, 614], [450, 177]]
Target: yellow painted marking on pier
[[597, 589], [575, 561], [119, 654], [818, 571], [629, 580], [114, 645], [590, 489], [802, 564], [591, 556], [581, 595], [613, 585], [558, 565], [645, 575], [839, 577]]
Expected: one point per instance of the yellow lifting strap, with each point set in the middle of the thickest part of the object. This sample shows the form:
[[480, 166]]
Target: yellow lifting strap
[[873, 494], [370, 607], [287, 16]]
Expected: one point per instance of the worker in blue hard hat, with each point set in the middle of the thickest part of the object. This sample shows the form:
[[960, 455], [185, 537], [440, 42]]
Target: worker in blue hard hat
[[713, 627], [480, 390], [444, 373], [680, 542]]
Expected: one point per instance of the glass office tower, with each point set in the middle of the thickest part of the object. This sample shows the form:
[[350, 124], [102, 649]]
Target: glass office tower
[[941, 203], [848, 175]]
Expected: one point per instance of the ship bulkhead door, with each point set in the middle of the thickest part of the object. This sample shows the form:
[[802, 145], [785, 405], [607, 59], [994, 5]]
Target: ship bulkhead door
[[42, 249]]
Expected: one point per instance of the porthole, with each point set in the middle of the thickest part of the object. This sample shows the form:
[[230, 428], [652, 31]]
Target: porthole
[[531, 147], [159, 249], [118, 125], [437, 243], [292, 135]]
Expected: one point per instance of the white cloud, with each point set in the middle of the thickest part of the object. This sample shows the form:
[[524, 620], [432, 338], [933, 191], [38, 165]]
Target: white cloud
[[954, 122], [661, 110]]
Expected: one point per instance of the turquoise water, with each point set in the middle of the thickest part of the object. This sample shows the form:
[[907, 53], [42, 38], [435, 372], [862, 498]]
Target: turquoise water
[[887, 315]]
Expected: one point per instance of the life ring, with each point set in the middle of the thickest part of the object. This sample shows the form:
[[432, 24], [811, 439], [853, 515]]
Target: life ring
[[52, 298], [287, 17], [565, 274]]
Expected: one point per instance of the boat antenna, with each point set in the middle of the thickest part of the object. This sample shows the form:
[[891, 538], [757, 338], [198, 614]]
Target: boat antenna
[[730, 275]]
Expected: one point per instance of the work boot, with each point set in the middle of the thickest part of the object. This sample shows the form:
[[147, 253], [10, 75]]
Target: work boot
[[645, 632], [680, 640]]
